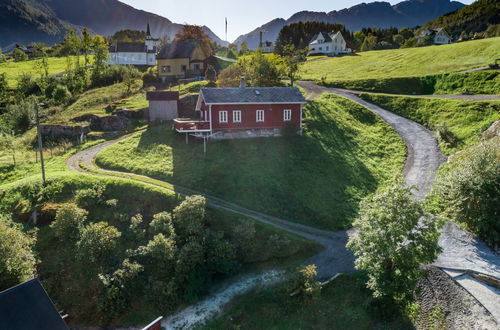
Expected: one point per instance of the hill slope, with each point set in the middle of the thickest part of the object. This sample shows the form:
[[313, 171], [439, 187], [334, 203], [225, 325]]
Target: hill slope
[[473, 18], [408, 13], [409, 62], [25, 21]]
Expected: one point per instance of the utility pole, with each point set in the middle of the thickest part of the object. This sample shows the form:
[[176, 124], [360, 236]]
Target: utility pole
[[40, 147]]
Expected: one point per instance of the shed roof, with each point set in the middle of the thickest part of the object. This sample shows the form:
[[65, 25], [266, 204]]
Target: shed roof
[[27, 306], [252, 95], [162, 96], [182, 49]]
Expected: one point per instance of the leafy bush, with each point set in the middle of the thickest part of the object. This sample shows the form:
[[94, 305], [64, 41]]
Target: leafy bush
[[469, 189], [61, 94], [17, 260], [69, 222], [91, 196], [162, 223], [20, 116], [97, 242], [304, 283], [189, 216], [18, 55]]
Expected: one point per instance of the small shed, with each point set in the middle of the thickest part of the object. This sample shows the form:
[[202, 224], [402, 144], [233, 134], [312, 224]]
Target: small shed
[[163, 106], [27, 306]]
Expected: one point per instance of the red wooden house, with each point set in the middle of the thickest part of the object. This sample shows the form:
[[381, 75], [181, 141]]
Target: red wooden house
[[245, 112]]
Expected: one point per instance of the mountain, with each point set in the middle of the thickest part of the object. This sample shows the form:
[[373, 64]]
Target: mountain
[[408, 13], [24, 21], [473, 18]]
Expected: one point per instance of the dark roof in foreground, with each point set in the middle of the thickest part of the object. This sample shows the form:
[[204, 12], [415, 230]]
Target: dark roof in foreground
[[162, 96], [27, 306], [252, 95], [182, 49]]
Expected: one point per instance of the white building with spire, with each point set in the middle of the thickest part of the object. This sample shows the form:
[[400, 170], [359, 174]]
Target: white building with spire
[[135, 53]]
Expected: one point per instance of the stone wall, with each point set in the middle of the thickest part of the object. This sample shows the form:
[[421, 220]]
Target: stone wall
[[64, 130], [247, 134]]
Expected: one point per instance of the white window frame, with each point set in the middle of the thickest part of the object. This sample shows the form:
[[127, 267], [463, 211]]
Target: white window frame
[[236, 116], [223, 116], [287, 115], [259, 118]]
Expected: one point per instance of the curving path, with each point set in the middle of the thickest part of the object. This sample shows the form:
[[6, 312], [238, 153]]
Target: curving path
[[422, 162]]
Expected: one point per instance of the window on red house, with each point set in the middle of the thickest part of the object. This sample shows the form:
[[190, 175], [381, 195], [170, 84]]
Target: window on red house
[[222, 116], [260, 115], [237, 116], [287, 115]]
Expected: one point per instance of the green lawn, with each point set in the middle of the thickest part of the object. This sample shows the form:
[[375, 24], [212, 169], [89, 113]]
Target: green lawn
[[317, 179], [466, 120], [15, 69], [345, 303], [409, 62]]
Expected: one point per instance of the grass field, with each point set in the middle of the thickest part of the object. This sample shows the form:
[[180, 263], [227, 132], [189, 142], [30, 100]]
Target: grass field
[[410, 62], [317, 179], [344, 304], [466, 120], [14, 69]]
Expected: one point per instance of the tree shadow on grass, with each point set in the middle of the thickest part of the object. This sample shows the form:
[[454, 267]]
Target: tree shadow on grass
[[315, 179]]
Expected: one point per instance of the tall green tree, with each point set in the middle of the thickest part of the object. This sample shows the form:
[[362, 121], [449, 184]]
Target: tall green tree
[[8, 142], [395, 236], [18, 55], [97, 242], [17, 259], [293, 59], [86, 45], [101, 54]]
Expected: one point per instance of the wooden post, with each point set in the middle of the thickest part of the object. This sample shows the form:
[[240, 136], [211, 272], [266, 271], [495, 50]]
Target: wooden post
[[40, 146], [204, 144], [186, 138]]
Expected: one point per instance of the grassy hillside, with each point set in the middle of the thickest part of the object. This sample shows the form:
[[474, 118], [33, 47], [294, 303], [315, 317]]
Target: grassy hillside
[[473, 18], [410, 62], [13, 70], [316, 179], [457, 123], [344, 304]]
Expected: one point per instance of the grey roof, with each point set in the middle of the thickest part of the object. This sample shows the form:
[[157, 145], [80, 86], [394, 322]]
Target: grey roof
[[27, 306], [130, 47], [183, 49], [252, 95]]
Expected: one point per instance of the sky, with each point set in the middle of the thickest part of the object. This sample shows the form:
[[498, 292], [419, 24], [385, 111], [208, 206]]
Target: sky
[[243, 15]]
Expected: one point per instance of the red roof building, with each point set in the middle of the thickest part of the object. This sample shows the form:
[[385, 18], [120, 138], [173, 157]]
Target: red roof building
[[245, 112]]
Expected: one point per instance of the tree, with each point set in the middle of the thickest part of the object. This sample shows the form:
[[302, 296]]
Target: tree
[[97, 242], [2, 56], [359, 38], [395, 236], [17, 260], [230, 76], [469, 190], [69, 222], [243, 48], [74, 44], [18, 55], [304, 283], [4, 86], [293, 59], [189, 216], [9, 143], [101, 54], [162, 223], [86, 43], [42, 64], [369, 43], [406, 33], [196, 33]]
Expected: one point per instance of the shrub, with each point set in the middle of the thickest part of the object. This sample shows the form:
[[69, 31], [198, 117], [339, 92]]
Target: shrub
[[303, 283], [61, 94], [89, 197], [69, 222], [189, 216], [18, 55], [158, 256], [17, 260], [97, 242], [162, 223], [19, 116], [395, 236], [469, 189], [135, 226]]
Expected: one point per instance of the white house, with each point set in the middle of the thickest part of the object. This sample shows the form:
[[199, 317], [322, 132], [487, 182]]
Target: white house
[[135, 53], [439, 36], [330, 44]]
